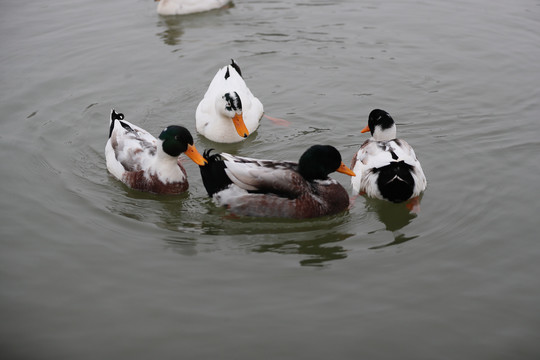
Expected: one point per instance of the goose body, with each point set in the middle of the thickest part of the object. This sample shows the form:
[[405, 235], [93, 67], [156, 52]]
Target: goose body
[[386, 167], [145, 163], [229, 112], [269, 188], [183, 7]]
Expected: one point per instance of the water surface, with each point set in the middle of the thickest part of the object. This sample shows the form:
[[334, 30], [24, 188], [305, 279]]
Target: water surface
[[91, 269]]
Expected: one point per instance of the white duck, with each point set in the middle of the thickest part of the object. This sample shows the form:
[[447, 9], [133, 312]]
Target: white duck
[[386, 167], [145, 163], [229, 112], [182, 7]]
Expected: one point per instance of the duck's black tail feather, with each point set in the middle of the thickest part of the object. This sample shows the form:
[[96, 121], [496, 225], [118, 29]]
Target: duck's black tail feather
[[236, 67], [213, 173], [115, 116], [395, 181]]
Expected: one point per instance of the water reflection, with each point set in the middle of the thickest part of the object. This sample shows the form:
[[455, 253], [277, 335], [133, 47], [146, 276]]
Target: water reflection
[[317, 240], [173, 29], [394, 217], [181, 245], [158, 209], [194, 230], [317, 250]]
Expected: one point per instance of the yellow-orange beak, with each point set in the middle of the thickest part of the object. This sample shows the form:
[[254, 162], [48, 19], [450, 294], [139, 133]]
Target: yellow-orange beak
[[366, 129], [345, 170], [241, 129], [194, 155]]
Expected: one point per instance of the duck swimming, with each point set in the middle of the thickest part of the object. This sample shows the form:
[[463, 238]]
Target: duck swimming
[[386, 167], [145, 163], [269, 188], [229, 112], [183, 7]]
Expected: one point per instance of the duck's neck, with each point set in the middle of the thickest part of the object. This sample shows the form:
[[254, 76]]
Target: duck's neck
[[221, 110], [166, 166], [312, 173], [384, 135]]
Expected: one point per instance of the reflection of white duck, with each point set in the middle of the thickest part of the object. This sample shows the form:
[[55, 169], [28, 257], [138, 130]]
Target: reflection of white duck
[[229, 112], [386, 167], [182, 7]]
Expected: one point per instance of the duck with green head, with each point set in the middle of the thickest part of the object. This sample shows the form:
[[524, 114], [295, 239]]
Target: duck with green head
[[145, 163]]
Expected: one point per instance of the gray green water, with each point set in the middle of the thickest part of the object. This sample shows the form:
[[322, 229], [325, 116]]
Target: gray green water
[[90, 269]]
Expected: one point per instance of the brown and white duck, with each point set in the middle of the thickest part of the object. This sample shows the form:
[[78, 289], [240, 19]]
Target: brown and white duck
[[269, 188], [145, 163]]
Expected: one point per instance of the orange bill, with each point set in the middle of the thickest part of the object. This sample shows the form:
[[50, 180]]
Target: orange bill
[[366, 129], [345, 170], [194, 155], [241, 128]]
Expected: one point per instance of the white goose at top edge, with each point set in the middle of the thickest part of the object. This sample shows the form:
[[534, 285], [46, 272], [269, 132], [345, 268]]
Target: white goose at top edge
[[183, 7]]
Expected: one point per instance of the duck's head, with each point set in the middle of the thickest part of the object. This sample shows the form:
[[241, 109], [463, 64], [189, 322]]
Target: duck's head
[[230, 106], [381, 125], [176, 140], [317, 162]]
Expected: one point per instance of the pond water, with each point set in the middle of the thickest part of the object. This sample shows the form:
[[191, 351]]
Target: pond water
[[91, 269]]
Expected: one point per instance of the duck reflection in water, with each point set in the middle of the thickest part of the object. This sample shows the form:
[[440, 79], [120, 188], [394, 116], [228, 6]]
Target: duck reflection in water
[[317, 250], [173, 30], [394, 217]]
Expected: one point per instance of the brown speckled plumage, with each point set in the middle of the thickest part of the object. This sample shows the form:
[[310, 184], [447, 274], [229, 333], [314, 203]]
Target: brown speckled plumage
[[324, 200], [140, 180]]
